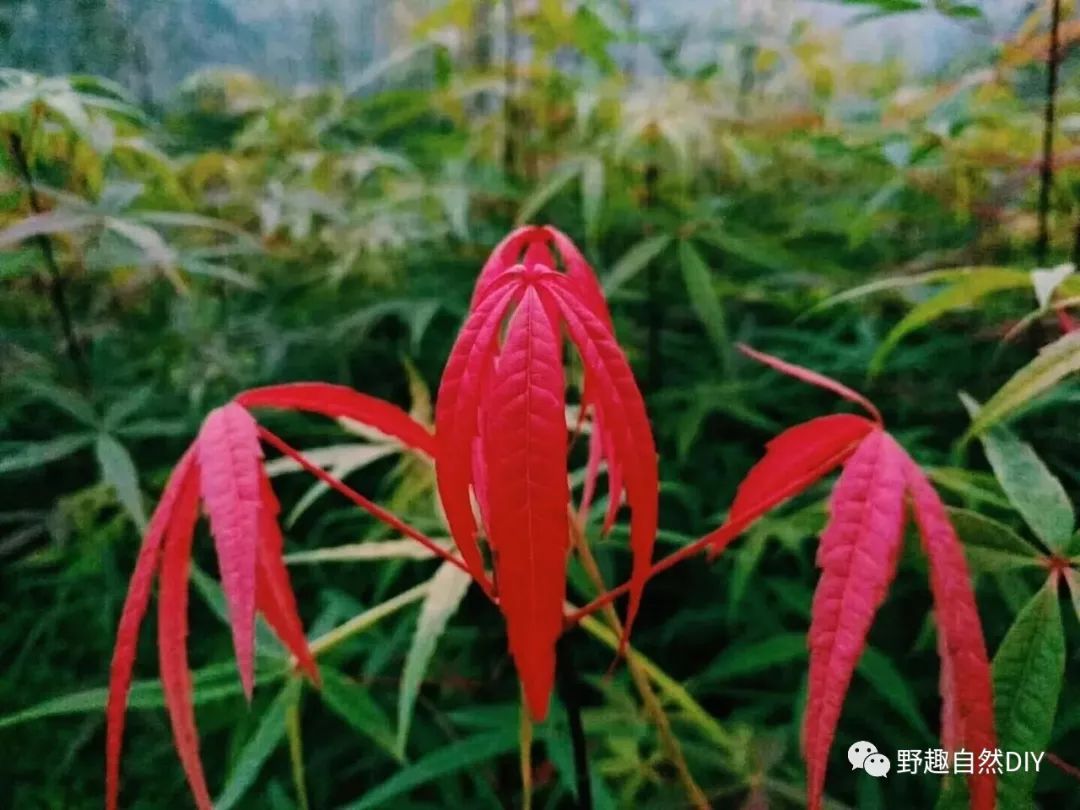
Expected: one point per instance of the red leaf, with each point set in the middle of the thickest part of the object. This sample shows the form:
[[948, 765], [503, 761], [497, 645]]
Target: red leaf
[[138, 596], [274, 597], [172, 638], [582, 276], [456, 420], [622, 408], [793, 461], [528, 494], [967, 694], [857, 556], [229, 459], [339, 401], [502, 258], [813, 378]]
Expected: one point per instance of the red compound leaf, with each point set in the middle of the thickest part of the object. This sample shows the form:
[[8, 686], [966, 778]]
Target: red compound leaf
[[230, 464], [966, 686], [794, 461], [526, 444], [857, 556], [172, 638], [341, 402], [813, 378], [274, 597], [138, 597]]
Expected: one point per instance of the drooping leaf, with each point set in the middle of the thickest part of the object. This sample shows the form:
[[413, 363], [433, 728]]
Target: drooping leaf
[[118, 471], [229, 462], [795, 460], [967, 697], [858, 554], [448, 588], [812, 378], [1027, 482], [172, 637], [1029, 670], [135, 603], [525, 456], [341, 402], [1054, 362]]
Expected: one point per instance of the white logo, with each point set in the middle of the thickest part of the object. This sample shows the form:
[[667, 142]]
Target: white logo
[[865, 755]]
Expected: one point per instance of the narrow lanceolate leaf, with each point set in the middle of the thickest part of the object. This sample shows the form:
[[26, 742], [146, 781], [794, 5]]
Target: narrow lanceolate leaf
[[990, 545], [273, 592], [704, 300], [268, 735], [1056, 361], [525, 453], [968, 708], [448, 588], [1028, 483], [794, 461], [456, 422], [812, 378], [138, 596], [172, 638], [622, 410], [1029, 668], [230, 465], [857, 556], [118, 471], [341, 402]]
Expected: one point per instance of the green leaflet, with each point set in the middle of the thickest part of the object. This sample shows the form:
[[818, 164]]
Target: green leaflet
[[1028, 669], [1053, 363], [704, 300], [446, 761], [353, 703], [963, 293], [26, 455], [634, 261], [1027, 482], [742, 660], [990, 545], [268, 735], [118, 471], [448, 588]]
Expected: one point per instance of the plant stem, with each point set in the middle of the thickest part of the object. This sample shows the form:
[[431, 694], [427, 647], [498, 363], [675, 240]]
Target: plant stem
[[372, 508], [570, 694], [1049, 112], [56, 281]]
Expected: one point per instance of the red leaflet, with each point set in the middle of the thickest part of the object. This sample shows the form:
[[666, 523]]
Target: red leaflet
[[813, 378], [339, 401], [857, 556], [526, 448], [229, 458], [138, 596], [793, 461], [273, 592], [172, 638], [967, 693]]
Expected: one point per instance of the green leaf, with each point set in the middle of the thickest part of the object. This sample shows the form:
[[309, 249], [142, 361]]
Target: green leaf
[[892, 687], [15, 263], [634, 261], [990, 545], [353, 703], [118, 471], [44, 224], [1054, 362], [268, 735], [27, 455], [741, 660], [1072, 578], [592, 194], [962, 294], [1027, 482], [704, 300], [448, 760], [65, 399], [448, 588], [546, 192], [1028, 670]]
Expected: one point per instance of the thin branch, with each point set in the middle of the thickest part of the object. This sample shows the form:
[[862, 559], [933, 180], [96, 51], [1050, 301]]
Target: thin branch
[[1063, 766], [372, 508], [56, 281], [1049, 113], [570, 693]]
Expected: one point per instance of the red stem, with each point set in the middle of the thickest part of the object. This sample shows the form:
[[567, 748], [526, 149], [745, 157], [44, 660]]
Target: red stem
[[1064, 766], [389, 518]]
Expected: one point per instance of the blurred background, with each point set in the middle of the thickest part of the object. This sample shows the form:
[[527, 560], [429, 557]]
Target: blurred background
[[200, 196]]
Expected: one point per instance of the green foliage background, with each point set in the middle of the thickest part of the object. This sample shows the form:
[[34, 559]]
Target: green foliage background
[[242, 234]]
